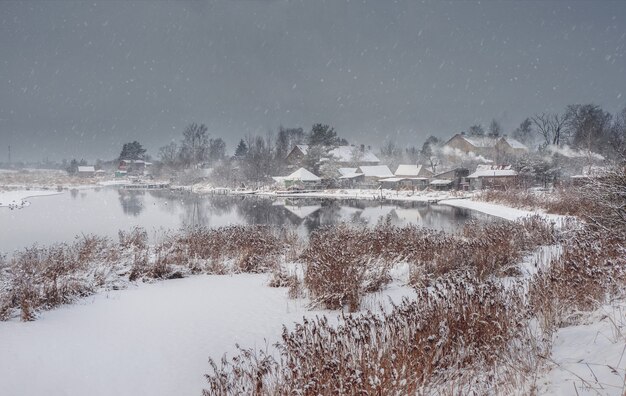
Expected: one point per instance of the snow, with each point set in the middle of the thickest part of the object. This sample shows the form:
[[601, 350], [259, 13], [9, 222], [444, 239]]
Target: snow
[[347, 171], [153, 339], [515, 143], [352, 153], [497, 210], [86, 169], [380, 171], [440, 182], [589, 359], [304, 148], [17, 198], [492, 173], [408, 170], [300, 175], [480, 142]]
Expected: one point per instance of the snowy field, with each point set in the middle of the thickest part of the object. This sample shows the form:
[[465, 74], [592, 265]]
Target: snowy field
[[154, 339]]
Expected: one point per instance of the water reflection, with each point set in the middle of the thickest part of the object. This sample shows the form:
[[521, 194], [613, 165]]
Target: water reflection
[[310, 214], [68, 215], [131, 201]]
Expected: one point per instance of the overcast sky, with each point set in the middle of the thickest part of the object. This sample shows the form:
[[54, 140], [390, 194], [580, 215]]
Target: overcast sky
[[78, 79]]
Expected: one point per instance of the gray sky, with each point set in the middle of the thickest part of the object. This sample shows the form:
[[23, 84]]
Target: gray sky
[[78, 79]]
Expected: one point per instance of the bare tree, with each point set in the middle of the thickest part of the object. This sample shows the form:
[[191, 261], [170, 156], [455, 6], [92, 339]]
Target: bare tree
[[169, 154], [551, 127], [195, 145]]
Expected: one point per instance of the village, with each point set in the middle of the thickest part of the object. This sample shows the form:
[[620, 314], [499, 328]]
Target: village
[[227, 198]]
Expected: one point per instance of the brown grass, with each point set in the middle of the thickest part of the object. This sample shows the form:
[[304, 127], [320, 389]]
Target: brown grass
[[40, 278], [418, 345], [466, 334]]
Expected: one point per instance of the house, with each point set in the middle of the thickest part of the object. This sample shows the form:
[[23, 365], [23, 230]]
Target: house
[[492, 176], [299, 178], [134, 167], [86, 171], [589, 174], [350, 177], [452, 179], [413, 175], [297, 154], [498, 149], [375, 173]]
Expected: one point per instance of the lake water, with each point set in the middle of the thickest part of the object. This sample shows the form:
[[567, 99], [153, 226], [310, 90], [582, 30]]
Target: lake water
[[105, 211]]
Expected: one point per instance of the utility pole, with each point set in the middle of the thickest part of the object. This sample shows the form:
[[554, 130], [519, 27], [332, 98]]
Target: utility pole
[[9, 155]]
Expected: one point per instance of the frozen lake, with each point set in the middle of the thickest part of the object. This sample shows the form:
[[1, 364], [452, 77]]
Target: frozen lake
[[105, 211]]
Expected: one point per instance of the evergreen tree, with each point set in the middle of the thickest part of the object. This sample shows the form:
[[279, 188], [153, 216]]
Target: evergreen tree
[[132, 151], [241, 150]]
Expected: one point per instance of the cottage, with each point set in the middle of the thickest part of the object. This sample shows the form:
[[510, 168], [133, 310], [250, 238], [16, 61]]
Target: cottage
[[455, 177], [299, 178], [492, 176], [297, 154], [86, 171], [134, 167], [373, 174], [589, 174], [413, 175], [498, 149]]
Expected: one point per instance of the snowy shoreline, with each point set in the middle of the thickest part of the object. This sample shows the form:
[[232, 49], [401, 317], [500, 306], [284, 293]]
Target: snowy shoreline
[[17, 199]]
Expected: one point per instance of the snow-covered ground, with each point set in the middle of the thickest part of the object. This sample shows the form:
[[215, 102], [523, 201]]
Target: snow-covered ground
[[589, 359], [17, 199], [148, 340], [156, 338]]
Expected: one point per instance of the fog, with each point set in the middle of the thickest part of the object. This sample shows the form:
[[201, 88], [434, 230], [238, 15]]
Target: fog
[[79, 79]]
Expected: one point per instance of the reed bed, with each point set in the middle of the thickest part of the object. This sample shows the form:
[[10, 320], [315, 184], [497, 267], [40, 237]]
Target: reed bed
[[344, 263], [44, 277], [464, 334]]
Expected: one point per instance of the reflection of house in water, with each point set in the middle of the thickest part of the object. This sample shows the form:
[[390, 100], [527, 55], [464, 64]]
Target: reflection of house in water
[[303, 212], [131, 201]]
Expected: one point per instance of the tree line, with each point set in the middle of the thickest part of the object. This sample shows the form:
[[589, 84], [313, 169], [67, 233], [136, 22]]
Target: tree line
[[585, 127]]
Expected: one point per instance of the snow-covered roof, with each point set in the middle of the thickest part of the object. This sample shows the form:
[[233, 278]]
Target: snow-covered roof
[[480, 141], [353, 153], [303, 147], [492, 173], [440, 182], [516, 144], [592, 172], [347, 171], [351, 175], [483, 167], [380, 171], [408, 170], [393, 179], [86, 169], [302, 175]]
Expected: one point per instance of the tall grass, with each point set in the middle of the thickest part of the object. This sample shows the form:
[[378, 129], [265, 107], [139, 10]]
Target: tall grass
[[343, 263], [40, 278], [418, 346], [464, 334]]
